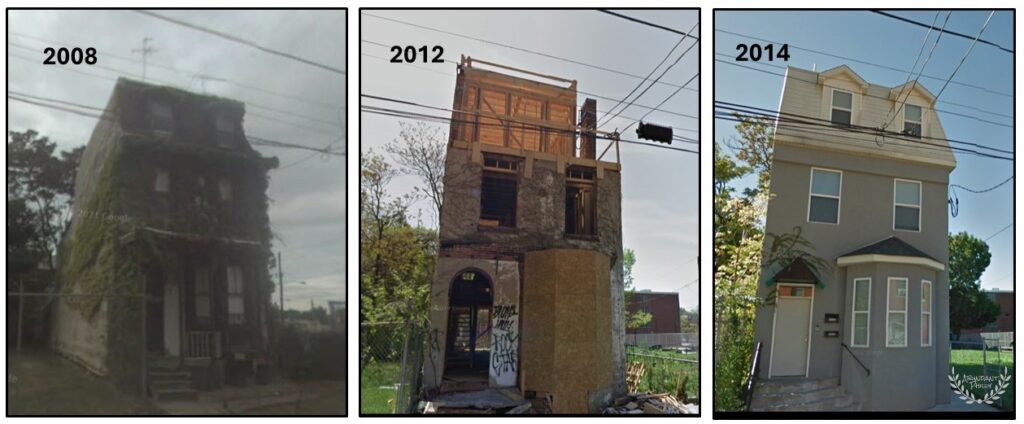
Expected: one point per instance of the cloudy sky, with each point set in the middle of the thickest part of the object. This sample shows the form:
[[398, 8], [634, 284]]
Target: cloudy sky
[[286, 100], [660, 188]]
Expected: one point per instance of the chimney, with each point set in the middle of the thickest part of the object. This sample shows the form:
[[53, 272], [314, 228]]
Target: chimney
[[588, 122]]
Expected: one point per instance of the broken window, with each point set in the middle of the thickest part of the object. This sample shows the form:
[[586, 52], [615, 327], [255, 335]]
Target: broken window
[[225, 190], [202, 293], [236, 300], [580, 201], [498, 191], [162, 182], [161, 116]]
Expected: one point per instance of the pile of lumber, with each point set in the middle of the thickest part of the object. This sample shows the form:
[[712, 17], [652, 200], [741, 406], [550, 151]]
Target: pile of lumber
[[650, 404]]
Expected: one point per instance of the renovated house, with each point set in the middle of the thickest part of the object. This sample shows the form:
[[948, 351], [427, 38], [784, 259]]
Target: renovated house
[[527, 292], [164, 269], [867, 331]]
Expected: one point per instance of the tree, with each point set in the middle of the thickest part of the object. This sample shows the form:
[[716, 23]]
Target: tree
[[969, 307], [638, 318], [40, 193], [420, 151]]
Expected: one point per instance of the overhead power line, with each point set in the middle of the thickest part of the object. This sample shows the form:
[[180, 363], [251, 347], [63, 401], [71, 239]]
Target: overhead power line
[[651, 24], [241, 41], [670, 96], [865, 62], [998, 232], [520, 49], [910, 74], [913, 22], [985, 190], [599, 96], [967, 53]]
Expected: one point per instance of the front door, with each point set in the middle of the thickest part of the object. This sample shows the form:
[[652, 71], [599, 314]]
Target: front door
[[792, 331], [469, 323]]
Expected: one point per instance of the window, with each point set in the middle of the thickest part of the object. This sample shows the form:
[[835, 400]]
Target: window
[[498, 192], [161, 116], [861, 322], [224, 187], [202, 293], [842, 108], [225, 127], [823, 205], [912, 120], [162, 182], [926, 313], [580, 201], [896, 313], [236, 300], [906, 213]]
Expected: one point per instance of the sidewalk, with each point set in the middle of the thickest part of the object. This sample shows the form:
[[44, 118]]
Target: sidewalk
[[277, 397], [957, 405]]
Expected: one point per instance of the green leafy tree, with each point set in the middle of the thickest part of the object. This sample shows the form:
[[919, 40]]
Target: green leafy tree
[[638, 318], [969, 306]]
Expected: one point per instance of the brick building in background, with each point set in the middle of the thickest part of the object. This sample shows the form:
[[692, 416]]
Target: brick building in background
[[664, 310]]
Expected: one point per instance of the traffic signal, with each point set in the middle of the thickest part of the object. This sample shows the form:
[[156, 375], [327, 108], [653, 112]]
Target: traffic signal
[[654, 132]]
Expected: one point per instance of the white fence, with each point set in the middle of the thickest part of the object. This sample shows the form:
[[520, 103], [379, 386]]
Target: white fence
[[1001, 341], [666, 340]]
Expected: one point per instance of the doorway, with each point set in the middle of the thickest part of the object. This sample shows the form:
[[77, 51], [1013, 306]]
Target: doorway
[[791, 332], [468, 343]]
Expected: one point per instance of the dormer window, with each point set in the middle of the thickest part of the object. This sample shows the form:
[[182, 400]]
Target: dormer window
[[842, 108], [161, 116], [912, 120]]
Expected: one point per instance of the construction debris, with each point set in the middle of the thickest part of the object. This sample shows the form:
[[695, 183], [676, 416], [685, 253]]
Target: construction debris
[[650, 404], [490, 401], [634, 374]]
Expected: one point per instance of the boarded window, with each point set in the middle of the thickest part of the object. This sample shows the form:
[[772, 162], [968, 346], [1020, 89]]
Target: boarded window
[[896, 315], [861, 312], [202, 293], [236, 298], [824, 196], [912, 120], [842, 108], [907, 205], [162, 181]]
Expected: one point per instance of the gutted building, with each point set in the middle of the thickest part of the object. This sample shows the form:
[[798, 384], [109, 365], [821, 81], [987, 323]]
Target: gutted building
[[869, 330], [527, 292], [165, 265]]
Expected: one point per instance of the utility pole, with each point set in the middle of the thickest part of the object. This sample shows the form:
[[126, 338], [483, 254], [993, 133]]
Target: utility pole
[[146, 50], [280, 282]]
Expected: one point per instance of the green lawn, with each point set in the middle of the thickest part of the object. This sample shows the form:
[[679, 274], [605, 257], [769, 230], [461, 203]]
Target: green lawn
[[377, 387], [970, 362], [661, 376], [42, 383]]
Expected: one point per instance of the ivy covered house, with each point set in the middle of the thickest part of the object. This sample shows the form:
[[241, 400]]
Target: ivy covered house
[[170, 204]]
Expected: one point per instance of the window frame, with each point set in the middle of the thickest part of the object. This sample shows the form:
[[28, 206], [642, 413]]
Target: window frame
[[889, 311], [224, 186], [920, 123], [166, 186], [854, 312], [206, 293], [158, 121], [919, 206], [931, 301], [240, 295], [832, 107], [839, 198]]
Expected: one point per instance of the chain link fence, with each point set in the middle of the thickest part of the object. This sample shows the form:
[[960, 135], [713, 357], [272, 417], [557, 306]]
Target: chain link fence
[[391, 362]]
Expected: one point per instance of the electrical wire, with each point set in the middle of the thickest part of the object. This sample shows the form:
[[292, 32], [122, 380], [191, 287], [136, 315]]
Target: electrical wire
[[650, 24], [913, 22], [911, 73], [967, 53], [985, 190]]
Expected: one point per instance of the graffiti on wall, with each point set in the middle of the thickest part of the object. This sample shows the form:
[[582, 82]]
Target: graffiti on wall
[[505, 346]]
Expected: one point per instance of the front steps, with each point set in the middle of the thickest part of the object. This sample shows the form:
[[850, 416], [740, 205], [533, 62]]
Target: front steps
[[168, 381], [801, 394]]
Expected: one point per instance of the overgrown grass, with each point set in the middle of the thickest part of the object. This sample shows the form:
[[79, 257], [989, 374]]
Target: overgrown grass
[[378, 387], [665, 375], [330, 402], [972, 363], [41, 383]]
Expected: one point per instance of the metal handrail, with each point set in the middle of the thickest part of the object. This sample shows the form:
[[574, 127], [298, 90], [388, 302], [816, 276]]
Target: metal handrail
[[855, 358], [755, 365]]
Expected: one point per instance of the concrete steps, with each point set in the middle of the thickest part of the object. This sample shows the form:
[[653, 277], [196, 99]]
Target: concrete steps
[[167, 382], [801, 395]]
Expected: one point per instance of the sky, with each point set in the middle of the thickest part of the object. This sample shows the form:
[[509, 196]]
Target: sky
[[659, 187], [880, 40], [286, 100]]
